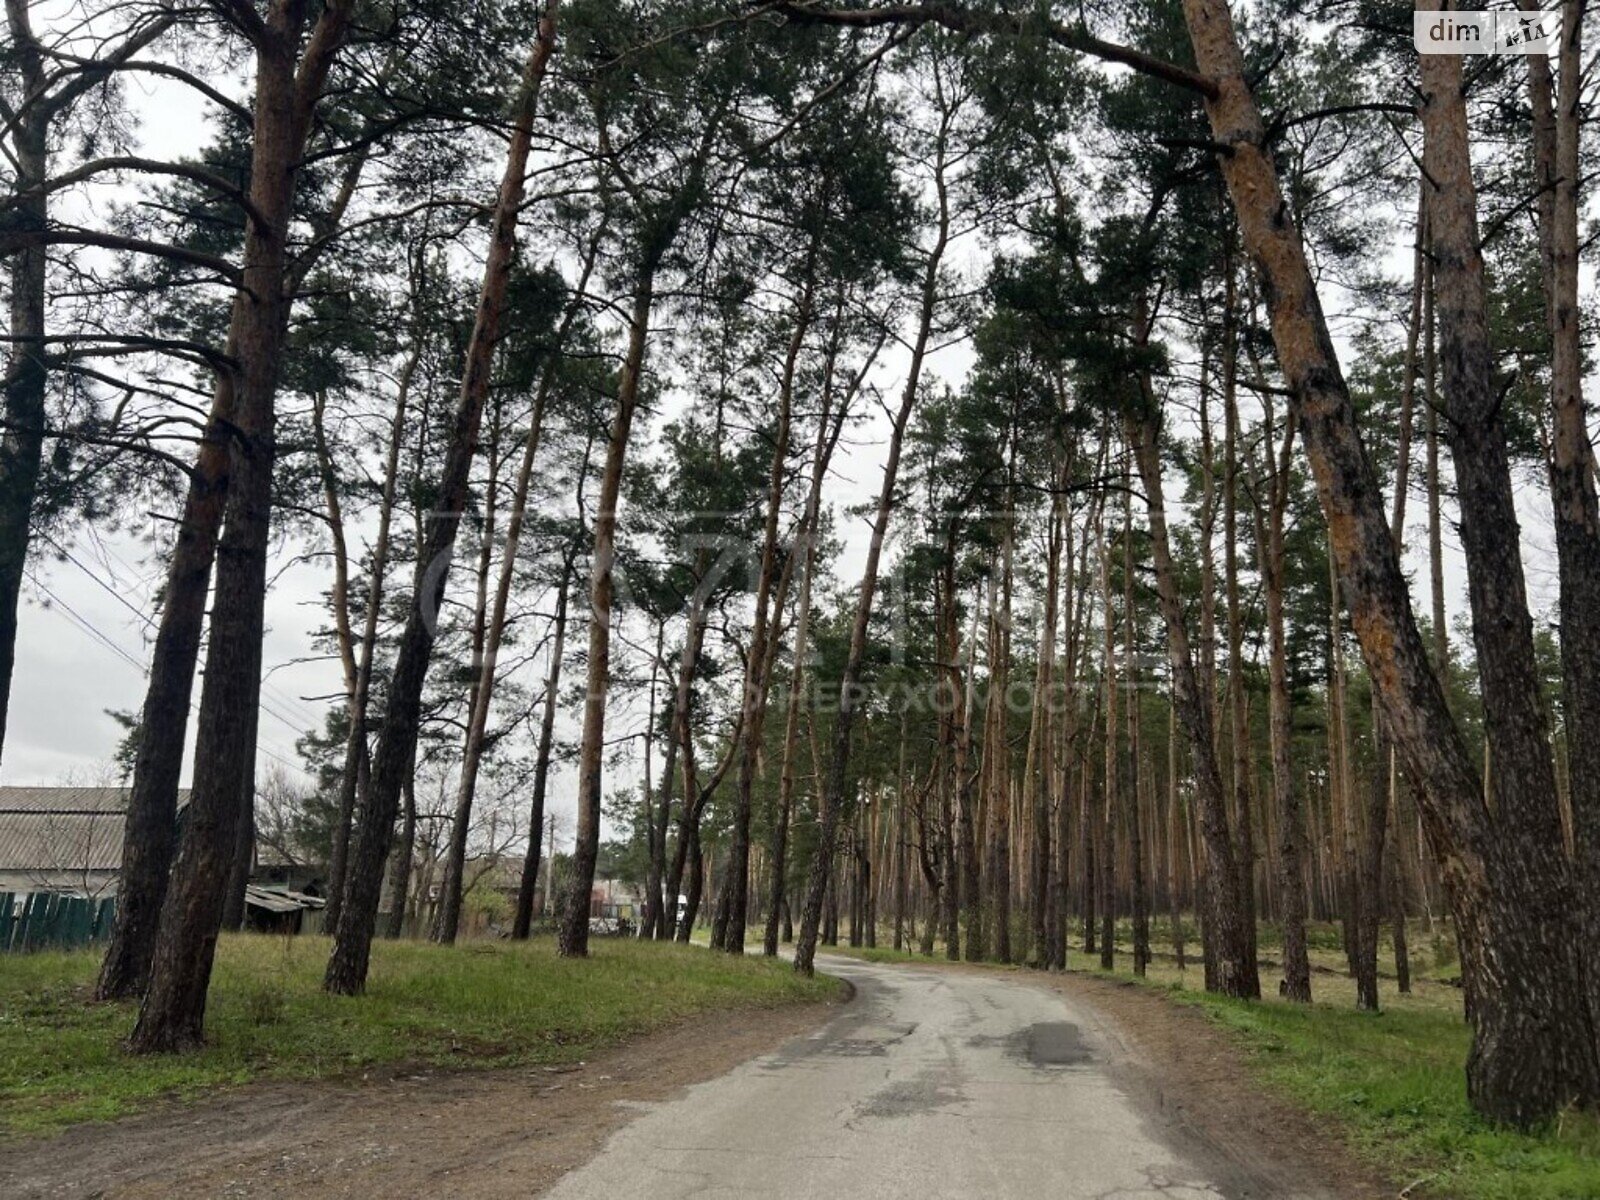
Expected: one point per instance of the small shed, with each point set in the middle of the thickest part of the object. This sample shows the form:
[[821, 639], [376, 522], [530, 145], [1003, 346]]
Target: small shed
[[269, 910]]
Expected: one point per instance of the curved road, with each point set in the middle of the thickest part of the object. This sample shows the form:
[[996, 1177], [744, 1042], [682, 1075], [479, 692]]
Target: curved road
[[930, 1084]]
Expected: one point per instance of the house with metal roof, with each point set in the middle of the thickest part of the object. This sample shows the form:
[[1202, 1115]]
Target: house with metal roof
[[67, 841], [63, 839]]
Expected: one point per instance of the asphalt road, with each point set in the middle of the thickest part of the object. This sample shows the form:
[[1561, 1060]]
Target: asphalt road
[[930, 1084]]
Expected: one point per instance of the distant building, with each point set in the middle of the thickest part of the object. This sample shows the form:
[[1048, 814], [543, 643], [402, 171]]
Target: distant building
[[289, 869], [64, 839], [68, 841], [615, 898]]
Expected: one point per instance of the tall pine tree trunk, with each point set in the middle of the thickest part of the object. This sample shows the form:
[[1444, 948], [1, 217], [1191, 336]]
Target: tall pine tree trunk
[[728, 932], [950, 725], [1523, 983], [1238, 721], [22, 442], [831, 791], [347, 965], [1111, 803], [239, 492], [1041, 751], [1224, 912], [1273, 497], [1140, 899], [967, 799], [572, 928], [355, 772], [1556, 129], [1176, 839], [527, 887], [235, 451], [447, 913], [1520, 777], [49, 86], [573, 921], [664, 919], [996, 749], [828, 430], [494, 623]]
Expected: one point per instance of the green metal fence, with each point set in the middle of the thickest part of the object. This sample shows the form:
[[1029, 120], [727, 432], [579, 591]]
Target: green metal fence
[[50, 920]]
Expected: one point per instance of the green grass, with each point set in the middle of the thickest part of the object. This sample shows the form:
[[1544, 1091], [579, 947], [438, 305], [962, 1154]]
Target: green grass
[[1396, 1080], [879, 953], [1393, 1083], [476, 1004]]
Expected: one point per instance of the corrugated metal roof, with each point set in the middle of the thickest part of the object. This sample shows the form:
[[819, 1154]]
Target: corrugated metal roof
[[271, 901], [279, 901], [63, 829], [63, 799], [60, 841]]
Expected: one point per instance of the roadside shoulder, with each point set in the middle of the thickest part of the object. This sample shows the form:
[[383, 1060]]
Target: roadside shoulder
[[473, 1134], [1200, 1078]]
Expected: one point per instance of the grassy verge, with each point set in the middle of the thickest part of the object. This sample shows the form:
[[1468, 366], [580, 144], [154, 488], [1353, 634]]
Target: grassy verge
[[881, 953], [1393, 1083], [485, 1004]]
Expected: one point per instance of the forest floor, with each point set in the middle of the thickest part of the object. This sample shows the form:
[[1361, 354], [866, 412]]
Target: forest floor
[[478, 1004], [1388, 1089]]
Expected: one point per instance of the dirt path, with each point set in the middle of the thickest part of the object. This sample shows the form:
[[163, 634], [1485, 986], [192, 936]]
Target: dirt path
[[480, 1134]]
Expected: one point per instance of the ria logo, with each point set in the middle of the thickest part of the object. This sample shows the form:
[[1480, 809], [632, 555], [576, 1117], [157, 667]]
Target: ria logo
[[1486, 32]]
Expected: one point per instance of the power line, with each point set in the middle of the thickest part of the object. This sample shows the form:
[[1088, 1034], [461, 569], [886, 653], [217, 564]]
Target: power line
[[114, 593], [81, 622], [304, 715], [85, 624], [292, 703]]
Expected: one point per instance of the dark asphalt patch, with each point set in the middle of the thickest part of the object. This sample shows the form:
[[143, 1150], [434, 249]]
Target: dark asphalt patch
[[1054, 1044], [926, 1092], [1047, 1044]]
